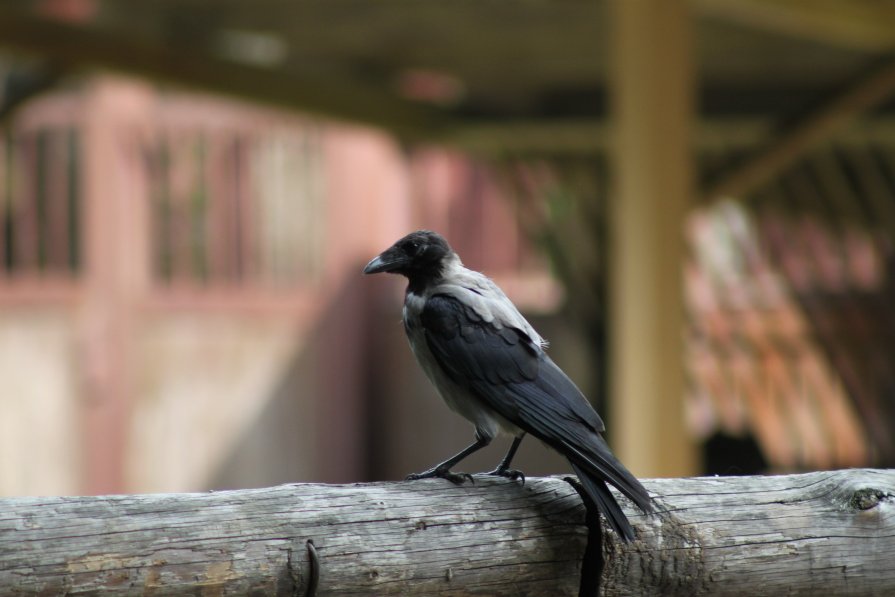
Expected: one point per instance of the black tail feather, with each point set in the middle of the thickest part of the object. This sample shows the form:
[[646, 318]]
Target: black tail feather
[[602, 465], [603, 499]]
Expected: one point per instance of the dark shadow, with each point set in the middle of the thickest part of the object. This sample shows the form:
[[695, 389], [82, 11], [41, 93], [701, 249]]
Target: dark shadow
[[727, 455]]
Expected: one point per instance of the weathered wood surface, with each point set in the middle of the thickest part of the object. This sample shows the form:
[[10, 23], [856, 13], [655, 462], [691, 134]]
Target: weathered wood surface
[[827, 533]]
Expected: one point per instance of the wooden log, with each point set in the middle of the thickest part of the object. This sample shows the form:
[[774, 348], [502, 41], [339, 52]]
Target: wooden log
[[830, 533]]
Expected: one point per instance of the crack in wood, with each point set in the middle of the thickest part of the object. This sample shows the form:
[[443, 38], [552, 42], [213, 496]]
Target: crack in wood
[[293, 574]]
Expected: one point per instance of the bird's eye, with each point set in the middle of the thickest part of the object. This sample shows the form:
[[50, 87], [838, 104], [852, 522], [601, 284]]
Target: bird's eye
[[411, 247]]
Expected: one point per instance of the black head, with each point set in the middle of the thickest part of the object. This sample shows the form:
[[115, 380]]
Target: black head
[[419, 256]]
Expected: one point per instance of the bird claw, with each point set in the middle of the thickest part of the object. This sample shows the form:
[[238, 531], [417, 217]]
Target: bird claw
[[438, 473], [508, 473], [458, 478]]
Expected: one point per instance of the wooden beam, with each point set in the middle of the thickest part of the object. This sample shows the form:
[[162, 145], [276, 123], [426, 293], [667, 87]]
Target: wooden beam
[[652, 105], [589, 136], [829, 533], [570, 136], [863, 26], [794, 142], [67, 45]]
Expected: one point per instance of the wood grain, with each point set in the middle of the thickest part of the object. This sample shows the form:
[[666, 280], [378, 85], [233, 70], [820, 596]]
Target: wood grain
[[830, 533]]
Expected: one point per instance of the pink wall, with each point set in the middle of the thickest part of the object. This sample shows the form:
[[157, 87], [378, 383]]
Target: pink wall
[[311, 202]]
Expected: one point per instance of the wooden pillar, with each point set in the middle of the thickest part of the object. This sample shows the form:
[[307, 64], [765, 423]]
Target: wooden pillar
[[116, 272], [652, 107]]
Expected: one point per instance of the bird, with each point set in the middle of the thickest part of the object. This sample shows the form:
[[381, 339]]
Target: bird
[[491, 367]]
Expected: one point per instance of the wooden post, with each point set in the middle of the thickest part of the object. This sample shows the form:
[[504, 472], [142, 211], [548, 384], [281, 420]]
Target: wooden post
[[828, 533], [116, 272], [652, 103]]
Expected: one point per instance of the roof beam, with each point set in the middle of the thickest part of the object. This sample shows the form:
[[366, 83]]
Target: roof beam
[[577, 136], [818, 126], [67, 45], [863, 26]]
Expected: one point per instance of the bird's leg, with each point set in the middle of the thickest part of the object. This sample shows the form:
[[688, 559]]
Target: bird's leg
[[503, 469], [443, 470]]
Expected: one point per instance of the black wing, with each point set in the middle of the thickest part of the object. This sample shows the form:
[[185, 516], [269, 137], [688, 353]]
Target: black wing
[[516, 378]]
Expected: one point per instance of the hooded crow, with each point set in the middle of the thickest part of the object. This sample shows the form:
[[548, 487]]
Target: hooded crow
[[490, 366]]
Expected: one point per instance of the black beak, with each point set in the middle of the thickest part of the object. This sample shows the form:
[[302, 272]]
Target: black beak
[[384, 263], [375, 266]]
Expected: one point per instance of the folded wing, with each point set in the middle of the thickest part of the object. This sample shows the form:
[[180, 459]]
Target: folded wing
[[511, 374]]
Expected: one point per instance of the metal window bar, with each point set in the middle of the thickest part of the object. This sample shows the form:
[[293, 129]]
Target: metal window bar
[[239, 209], [39, 203]]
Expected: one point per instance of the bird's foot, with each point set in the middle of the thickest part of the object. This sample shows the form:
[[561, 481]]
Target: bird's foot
[[509, 473], [441, 473]]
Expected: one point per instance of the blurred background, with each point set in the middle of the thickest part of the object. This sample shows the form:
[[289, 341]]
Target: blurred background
[[694, 201]]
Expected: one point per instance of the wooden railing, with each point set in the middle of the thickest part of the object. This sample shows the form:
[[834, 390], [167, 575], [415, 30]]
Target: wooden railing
[[829, 533]]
